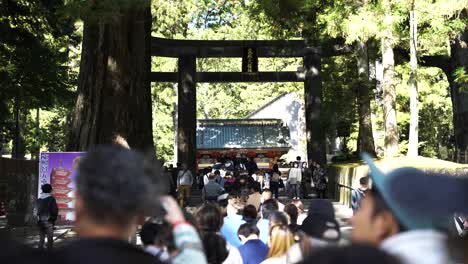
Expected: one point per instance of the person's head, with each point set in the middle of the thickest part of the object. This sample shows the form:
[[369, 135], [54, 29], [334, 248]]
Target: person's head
[[211, 176], [215, 248], [374, 221], [292, 211], [209, 218], [179, 165], [364, 182], [266, 194], [268, 207], [249, 212], [115, 189], [298, 158], [217, 173], [275, 168], [157, 234], [355, 253], [255, 187], [171, 166], [320, 222], [184, 166], [46, 188], [278, 218], [248, 232], [281, 239], [299, 205]]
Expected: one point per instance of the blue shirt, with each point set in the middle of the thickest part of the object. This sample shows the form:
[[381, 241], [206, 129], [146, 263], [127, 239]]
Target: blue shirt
[[253, 251], [230, 227], [264, 226]]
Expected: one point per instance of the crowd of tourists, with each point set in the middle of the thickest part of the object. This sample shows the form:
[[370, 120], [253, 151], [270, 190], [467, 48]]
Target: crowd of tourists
[[399, 220], [241, 175]]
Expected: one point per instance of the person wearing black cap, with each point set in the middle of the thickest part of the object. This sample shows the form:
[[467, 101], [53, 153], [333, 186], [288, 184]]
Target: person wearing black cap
[[403, 215], [318, 229]]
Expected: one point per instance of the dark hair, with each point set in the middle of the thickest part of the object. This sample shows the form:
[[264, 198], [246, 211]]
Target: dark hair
[[117, 184], [209, 218], [256, 186], [364, 180], [211, 176], [363, 254], [268, 207], [298, 158], [217, 172], [379, 205], [276, 168], [250, 212], [215, 248], [278, 218], [46, 188], [247, 230], [159, 234], [292, 211]]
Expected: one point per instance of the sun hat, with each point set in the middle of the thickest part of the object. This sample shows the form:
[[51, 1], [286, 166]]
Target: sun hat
[[418, 199]]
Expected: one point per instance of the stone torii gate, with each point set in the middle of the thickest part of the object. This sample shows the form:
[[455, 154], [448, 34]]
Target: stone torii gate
[[187, 52]]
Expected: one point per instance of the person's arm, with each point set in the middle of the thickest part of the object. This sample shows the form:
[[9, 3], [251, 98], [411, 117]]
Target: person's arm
[[353, 200], [191, 178], [186, 238], [53, 209], [178, 179]]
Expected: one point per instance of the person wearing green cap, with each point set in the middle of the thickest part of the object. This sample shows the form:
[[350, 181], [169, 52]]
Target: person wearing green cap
[[403, 215]]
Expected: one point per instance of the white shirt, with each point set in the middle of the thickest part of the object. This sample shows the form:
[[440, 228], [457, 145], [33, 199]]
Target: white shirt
[[418, 246]]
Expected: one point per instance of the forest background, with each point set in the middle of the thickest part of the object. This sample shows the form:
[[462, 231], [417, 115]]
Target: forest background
[[37, 95]]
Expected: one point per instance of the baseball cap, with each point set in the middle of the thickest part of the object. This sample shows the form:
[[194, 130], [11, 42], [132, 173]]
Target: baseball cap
[[419, 199], [320, 221]]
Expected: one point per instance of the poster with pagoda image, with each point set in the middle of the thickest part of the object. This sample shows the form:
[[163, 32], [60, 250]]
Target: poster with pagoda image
[[59, 169]]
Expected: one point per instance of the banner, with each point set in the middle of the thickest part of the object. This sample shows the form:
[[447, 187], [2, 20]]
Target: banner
[[59, 169]]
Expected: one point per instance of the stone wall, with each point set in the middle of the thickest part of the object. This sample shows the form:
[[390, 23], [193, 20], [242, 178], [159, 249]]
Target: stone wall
[[18, 189]]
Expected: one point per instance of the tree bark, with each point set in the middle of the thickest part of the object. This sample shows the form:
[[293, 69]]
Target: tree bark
[[114, 92], [413, 83], [388, 86], [459, 59], [365, 136]]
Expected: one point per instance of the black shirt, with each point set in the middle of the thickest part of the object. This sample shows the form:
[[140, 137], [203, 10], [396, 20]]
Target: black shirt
[[102, 251]]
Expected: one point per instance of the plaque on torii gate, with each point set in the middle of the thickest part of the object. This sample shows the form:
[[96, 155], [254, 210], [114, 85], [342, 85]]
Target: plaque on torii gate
[[187, 52]]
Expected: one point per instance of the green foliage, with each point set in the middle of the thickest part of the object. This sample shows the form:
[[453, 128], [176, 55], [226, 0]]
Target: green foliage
[[33, 60], [102, 10], [461, 77], [435, 114]]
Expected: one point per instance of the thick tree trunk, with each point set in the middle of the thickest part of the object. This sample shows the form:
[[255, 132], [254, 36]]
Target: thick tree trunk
[[365, 136], [459, 59], [413, 83], [388, 86], [114, 95]]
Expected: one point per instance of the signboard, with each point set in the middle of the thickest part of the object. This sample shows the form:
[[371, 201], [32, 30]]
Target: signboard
[[59, 169], [249, 60]]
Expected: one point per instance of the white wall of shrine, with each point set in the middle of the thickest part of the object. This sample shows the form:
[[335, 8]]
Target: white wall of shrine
[[288, 107]]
